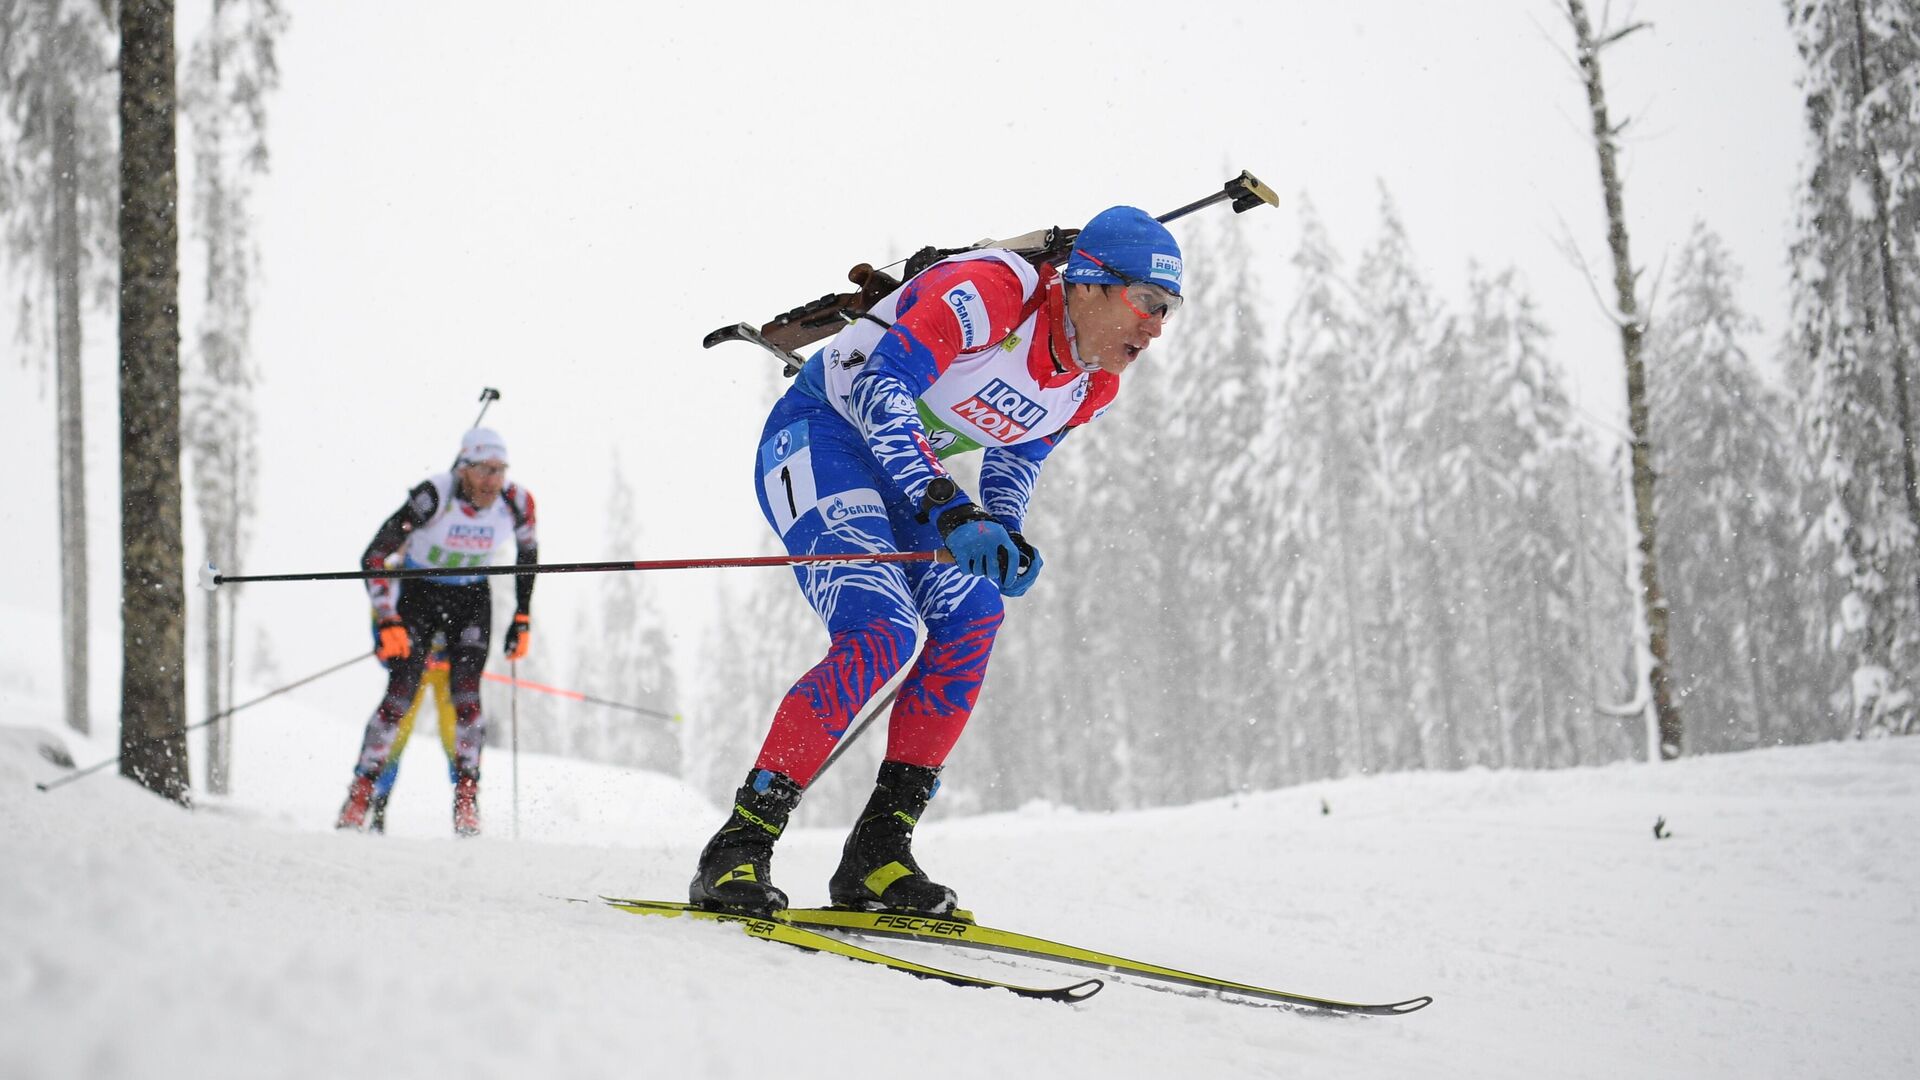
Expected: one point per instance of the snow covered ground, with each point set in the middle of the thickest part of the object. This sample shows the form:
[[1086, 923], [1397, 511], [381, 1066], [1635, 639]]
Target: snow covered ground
[[1775, 934]]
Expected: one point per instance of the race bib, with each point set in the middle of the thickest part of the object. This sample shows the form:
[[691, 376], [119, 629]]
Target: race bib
[[786, 474]]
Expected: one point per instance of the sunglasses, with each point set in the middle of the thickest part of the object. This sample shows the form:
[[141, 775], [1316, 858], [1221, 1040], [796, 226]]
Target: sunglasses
[[1143, 298], [487, 469]]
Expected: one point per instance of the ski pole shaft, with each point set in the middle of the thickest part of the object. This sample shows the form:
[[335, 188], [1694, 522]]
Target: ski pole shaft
[[215, 718], [211, 578], [514, 707], [575, 695], [852, 736], [488, 396]]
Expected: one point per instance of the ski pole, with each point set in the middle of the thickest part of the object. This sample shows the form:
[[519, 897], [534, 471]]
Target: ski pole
[[513, 709], [91, 769], [575, 695], [488, 396], [211, 578]]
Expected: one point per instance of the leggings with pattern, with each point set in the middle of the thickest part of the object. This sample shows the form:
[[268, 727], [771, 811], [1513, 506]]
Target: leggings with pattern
[[823, 492]]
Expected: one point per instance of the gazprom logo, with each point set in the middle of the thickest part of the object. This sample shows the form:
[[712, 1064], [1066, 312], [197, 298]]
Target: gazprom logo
[[861, 502], [1166, 268], [971, 311], [1001, 411]]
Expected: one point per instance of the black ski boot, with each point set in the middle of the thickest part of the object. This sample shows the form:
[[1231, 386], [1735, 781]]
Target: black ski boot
[[877, 871], [734, 866]]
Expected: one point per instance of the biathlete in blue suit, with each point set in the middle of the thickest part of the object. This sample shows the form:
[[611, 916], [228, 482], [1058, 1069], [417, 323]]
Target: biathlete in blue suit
[[983, 351]]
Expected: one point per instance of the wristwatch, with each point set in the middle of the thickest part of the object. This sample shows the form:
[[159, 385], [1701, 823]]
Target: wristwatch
[[939, 493]]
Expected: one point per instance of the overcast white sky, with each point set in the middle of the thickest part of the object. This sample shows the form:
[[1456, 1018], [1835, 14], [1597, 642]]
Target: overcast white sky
[[561, 204]]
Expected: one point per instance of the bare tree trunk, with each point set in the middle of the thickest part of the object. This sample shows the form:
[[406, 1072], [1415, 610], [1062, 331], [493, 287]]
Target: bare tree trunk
[[1756, 670], [1588, 636], [153, 742], [1445, 673], [1545, 754], [210, 652], [1499, 736], [1356, 724], [72, 439], [1632, 330], [218, 553], [224, 747]]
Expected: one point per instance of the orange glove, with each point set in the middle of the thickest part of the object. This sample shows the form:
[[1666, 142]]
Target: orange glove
[[394, 642], [519, 636]]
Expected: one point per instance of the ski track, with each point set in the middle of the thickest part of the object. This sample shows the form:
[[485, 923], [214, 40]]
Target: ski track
[[1558, 936]]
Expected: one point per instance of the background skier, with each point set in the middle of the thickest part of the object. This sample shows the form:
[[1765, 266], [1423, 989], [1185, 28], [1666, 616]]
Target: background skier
[[450, 520]]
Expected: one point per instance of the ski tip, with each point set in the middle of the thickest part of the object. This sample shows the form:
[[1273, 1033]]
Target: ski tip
[[1401, 1008], [1081, 991]]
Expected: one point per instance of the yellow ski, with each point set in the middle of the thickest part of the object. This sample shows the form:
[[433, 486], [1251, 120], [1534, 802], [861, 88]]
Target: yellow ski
[[972, 935], [786, 933]]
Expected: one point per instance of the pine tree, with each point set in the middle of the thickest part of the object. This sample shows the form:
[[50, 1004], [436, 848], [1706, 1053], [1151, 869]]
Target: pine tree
[[1318, 413], [1517, 434], [1397, 365], [1730, 495], [57, 187], [624, 653], [1856, 299], [1218, 354], [230, 74]]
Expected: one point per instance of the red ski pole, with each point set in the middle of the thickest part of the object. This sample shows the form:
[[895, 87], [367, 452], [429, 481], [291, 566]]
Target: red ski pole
[[575, 695], [211, 578]]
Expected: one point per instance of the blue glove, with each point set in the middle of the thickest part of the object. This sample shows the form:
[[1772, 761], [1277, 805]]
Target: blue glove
[[1030, 563], [981, 545]]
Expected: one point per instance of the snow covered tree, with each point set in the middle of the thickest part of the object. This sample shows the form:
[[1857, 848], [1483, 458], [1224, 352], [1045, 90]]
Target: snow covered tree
[[56, 201], [1856, 298], [1515, 455], [1219, 356], [1321, 411], [1731, 497], [1396, 365], [623, 652], [153, 744], [230, 74]]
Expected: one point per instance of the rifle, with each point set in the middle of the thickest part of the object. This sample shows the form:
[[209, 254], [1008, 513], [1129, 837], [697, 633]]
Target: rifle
[[823, 318]]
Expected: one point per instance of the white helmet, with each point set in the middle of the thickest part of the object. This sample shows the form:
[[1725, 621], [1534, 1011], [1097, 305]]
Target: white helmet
[[482, 444]]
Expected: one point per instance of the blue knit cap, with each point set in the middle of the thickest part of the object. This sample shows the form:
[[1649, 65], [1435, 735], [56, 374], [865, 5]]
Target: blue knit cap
[[1128, 240]]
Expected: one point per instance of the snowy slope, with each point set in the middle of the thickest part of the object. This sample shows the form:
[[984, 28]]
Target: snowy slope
[[1763, 939]]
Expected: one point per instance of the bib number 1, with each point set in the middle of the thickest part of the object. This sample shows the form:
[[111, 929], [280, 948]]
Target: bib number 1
[[786, 475]]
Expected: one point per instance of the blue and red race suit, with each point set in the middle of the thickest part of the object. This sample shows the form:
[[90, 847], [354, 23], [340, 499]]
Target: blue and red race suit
[[972, 353]]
